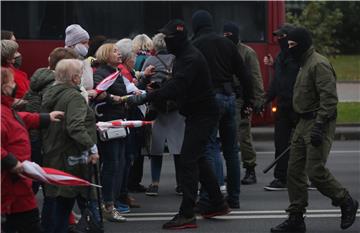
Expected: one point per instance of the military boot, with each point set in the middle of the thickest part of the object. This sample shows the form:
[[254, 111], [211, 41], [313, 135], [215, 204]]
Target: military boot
[[250, 177], [295, 224], [348, 212]]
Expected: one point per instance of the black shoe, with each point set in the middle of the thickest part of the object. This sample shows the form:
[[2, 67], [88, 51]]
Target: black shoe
[[153, 190], [233, 204], [250, 177], [215, 211], [179, 190], [295, 224], [276, 185], [180, 222], [138, 188], [348, 212]]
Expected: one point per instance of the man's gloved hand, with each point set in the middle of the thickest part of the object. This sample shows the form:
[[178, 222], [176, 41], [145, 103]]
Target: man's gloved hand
[[317, 134], [259, 107], [136, 99]]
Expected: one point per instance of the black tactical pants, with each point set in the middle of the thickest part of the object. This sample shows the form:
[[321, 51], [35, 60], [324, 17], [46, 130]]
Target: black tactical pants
[[194, 166]]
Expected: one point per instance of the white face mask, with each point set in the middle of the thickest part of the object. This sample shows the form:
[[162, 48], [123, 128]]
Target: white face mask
[[81, 49]]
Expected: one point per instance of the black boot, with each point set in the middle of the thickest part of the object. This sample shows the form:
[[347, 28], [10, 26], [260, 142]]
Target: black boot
[[295, 223], [348, 212], [250, 177]]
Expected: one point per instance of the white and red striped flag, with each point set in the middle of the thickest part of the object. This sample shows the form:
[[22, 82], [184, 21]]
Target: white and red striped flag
[[107, 82], [121, 124], [52, 176]]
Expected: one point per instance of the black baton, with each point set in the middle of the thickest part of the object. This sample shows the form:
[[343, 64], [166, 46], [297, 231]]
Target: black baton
[[276, 160]]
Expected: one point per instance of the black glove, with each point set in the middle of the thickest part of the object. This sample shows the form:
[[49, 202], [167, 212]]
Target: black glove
[[136, 99], [259, 107], [317, 134]]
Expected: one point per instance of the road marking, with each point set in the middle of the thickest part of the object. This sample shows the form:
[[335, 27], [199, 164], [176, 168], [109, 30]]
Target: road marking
[[230, 217], [255, 214], [331, 152]]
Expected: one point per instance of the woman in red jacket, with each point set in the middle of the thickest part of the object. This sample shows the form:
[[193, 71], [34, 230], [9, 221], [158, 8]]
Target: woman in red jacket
[[18, 202]]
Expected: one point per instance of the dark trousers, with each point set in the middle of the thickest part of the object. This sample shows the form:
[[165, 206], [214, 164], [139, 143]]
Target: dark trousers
[[284, 125], [194, 164], [25, 222]]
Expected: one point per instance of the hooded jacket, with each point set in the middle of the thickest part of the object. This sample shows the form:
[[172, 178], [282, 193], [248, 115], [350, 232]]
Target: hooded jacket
[[222, 57], [70, 137]]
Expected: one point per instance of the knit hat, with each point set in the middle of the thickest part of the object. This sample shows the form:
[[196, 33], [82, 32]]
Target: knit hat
[[74, 34], [201, 19], [232, 31]]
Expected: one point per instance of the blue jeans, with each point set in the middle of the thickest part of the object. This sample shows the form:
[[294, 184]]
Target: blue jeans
[[113, 167], [228, 139]]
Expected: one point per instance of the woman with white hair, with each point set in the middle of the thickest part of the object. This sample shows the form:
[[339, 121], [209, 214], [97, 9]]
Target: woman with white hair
[[168, 128], [70, 145]]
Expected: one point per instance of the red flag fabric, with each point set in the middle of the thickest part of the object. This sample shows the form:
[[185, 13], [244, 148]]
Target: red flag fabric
[[52, 176]]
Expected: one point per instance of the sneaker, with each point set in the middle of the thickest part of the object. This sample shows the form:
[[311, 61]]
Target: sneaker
[[112, 215], [130, 201], [311, 187], [153, 190], [215, 211], [179, 190], [122, 208], [250, 177], [233, 204], [180, 222], [138, 188], [223, 189], [276, 185]]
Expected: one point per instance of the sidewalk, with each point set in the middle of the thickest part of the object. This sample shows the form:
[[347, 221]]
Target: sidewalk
[[343, 132]]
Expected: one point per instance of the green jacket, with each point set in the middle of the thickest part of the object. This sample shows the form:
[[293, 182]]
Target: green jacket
[[41, 80], [70, 137], [252, 63], [315, 87]]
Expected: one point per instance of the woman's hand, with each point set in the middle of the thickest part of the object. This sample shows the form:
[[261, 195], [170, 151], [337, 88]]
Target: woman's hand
[[18, 168], [93, 158], [56, 116], [149, 71]]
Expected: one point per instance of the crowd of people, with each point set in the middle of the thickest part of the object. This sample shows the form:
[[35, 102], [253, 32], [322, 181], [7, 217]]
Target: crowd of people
[[193, 91]]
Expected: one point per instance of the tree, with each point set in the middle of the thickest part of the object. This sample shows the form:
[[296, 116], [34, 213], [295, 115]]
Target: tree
[[322, 22]]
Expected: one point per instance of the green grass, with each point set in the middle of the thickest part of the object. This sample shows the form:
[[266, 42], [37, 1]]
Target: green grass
[[348, 112], [347, 67]]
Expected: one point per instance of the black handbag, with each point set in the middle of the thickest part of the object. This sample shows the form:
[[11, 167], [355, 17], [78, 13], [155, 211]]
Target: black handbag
[[88, 222]]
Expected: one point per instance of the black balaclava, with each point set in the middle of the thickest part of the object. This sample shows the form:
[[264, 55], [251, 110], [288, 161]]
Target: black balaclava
[[234, 32], [175, 36], [303, 39], [201, 19], [283, 30]]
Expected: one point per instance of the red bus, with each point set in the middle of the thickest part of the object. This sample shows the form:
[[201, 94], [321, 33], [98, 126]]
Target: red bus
[[40, 26]]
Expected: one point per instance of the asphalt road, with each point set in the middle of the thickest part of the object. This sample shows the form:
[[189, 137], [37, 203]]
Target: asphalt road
[[259, 209]]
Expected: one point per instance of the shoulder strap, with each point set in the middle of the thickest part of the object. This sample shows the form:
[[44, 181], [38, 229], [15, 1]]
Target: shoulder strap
[[18, 118]]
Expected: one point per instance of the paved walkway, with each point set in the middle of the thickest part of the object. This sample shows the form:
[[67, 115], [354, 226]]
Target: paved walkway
[[348, 91]]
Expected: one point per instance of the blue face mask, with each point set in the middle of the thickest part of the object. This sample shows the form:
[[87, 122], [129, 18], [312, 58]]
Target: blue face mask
[[81, 49]]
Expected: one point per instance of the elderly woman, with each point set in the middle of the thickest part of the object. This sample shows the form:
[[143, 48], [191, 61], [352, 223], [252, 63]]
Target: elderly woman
[[169, 125], [18, 203], [112, 151], [8, 51], [142, 46], [70, 145]]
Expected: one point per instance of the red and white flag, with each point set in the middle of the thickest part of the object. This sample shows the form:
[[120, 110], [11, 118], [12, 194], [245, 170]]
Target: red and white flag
[[107, 82], [121, 124], [52, 176]]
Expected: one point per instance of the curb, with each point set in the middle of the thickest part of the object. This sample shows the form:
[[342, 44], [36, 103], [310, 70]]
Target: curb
[[341, 133]]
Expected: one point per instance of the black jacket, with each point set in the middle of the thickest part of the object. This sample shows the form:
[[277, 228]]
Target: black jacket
[[282, 85], [191, 85], [224, 60], [111, 111]]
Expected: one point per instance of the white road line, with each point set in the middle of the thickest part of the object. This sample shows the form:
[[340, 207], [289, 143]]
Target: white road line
[[234, 212], [229, 217], [331, 152]]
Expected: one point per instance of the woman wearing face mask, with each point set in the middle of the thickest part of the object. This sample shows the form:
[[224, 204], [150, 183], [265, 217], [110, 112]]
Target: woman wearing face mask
[[18, 202], [78, 39], [8, 50]]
